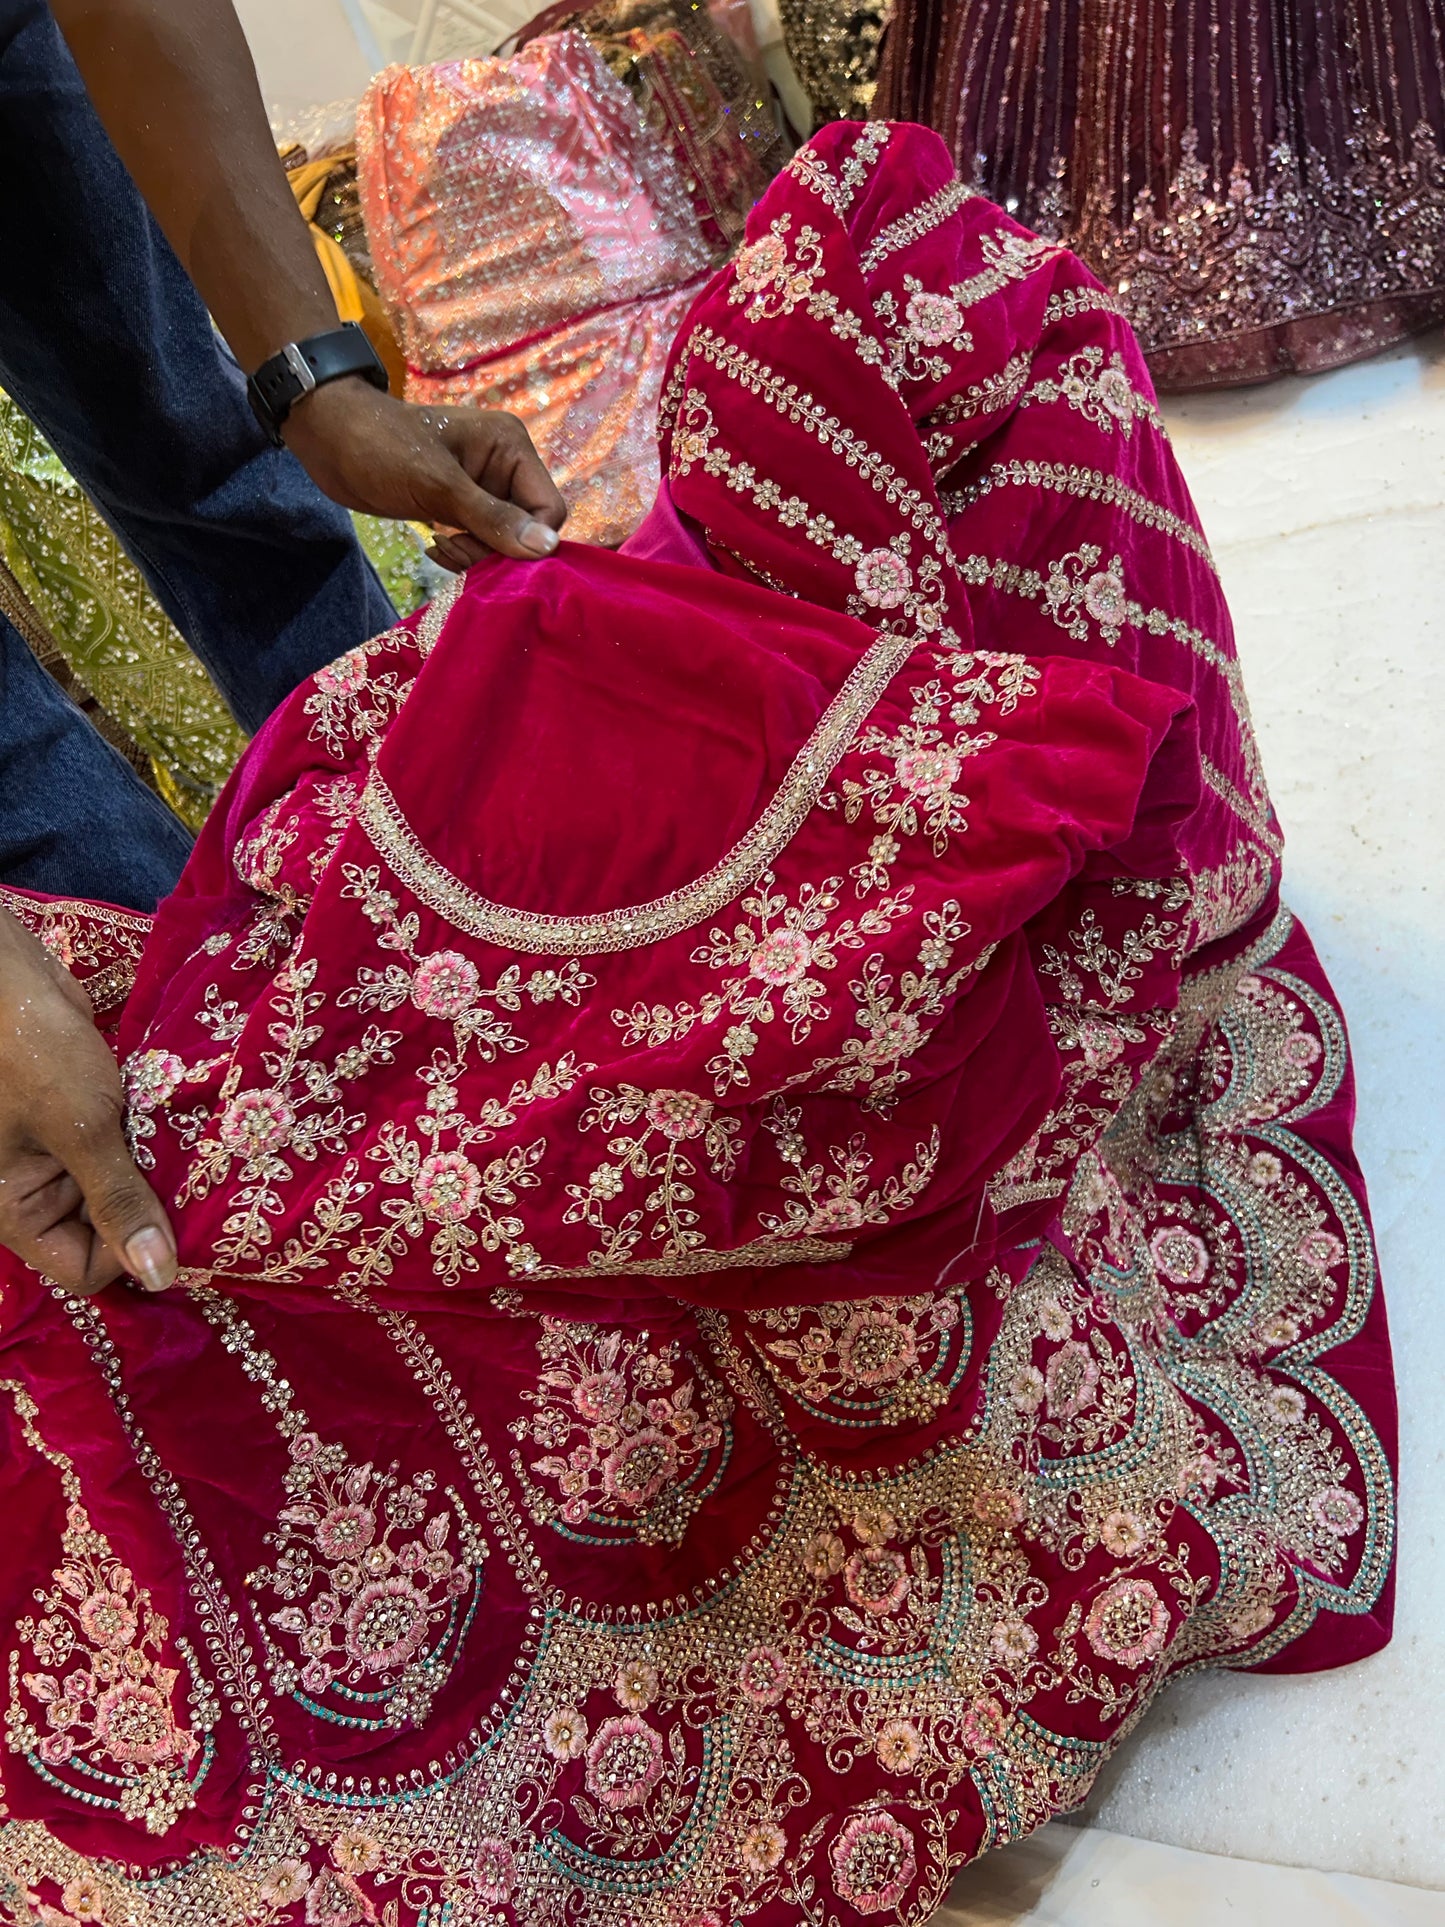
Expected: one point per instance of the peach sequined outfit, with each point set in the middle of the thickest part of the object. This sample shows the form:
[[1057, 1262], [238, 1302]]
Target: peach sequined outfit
[[537, 248]]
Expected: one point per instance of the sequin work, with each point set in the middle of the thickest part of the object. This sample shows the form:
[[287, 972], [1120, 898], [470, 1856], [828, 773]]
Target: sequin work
[[730, 1425], [1261, 183]]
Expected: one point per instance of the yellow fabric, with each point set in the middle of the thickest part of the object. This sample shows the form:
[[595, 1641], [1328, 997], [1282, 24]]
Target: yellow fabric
[[355, 299]]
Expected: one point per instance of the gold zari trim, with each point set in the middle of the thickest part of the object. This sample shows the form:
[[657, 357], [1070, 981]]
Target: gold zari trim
[[637, 925]]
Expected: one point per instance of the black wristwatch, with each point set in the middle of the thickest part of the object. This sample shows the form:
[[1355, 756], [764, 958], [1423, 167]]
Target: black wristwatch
[[280, 382]]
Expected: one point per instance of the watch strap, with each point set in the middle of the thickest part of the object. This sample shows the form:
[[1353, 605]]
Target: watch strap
[[281, 380]]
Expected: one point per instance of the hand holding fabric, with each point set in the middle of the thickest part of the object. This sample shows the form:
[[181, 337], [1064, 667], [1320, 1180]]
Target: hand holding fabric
[[471, 472], [72, 1202]]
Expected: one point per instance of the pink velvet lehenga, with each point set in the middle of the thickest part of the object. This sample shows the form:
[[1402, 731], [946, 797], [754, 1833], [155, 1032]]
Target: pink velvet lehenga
[[771, 1236]]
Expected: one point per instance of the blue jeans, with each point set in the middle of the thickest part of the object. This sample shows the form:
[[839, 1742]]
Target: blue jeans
[[107, 346]]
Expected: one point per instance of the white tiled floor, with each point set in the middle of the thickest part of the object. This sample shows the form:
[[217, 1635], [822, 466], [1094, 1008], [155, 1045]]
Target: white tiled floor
[[1325, 503]]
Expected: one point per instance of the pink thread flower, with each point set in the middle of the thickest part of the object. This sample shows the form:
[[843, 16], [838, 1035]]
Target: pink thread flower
[[601, 1395], [134, 1723], [1321, 1249], [1128, 1623], [386, 1623], [1180, 1256], [635, 1685], [448, 1187], [151, 1076], [782, 957], [345, 1531], [624, 1762], [1071, 1380], [933, 318], [873, 1861], [1122, 1534], [898, 1746], [84, 1897], [255, 1122], [1115, 392], [637, 1470], [763, 1676], [1014, 1642], [1099, 1043], [893, 1034], [1106, 600], [108, 1619], [495, 1872], [883, 579], [823, 1555], [1338, 1511], [680, 1114], [760, 264], [1026, 1388], [876, 1580], [564, 1733], [347, 676], [928, 774], [875, 1347], [983, 1725], [445, 985], [836, 1214], [998, 1506]]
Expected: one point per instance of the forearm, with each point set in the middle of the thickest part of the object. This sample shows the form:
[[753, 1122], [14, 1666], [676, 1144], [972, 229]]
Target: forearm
[[174, 83]]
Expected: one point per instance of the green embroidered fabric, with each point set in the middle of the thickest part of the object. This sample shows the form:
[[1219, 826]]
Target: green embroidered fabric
[[113, 636]]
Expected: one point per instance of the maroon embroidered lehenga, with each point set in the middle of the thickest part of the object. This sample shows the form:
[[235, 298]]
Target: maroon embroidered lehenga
[[766, 1183], [1261, 181]]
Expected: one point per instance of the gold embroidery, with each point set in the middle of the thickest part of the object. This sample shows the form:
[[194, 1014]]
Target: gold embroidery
[[393, 1583], [639, 925], [1101, 392], [636, 1435], [111, 1737], [1086, 484], [917, 222]]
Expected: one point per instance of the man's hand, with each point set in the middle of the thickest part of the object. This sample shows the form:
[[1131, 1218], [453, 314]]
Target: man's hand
[[173, 82], [72, 1203], [474, 475]]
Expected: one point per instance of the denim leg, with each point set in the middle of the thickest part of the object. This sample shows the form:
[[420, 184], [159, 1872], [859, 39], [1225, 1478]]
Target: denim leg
[[75, 819], [107, 346]]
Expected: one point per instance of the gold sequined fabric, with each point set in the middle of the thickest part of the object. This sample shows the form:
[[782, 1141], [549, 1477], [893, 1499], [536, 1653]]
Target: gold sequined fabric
[[112, 634], [834, 46], [1261, 182], [89, 615]]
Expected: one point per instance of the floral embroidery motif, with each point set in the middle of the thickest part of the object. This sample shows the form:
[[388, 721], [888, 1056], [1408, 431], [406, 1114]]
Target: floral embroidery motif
[[108, 1734], [823, 1203], [677, 1118], [770, 281], [1099, 390], [779, 948], [930, 320], [378, 1588], [916, 790], [351, 702], [389, 1612], [868, 1361], [873, 1861], [636, 1437]]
